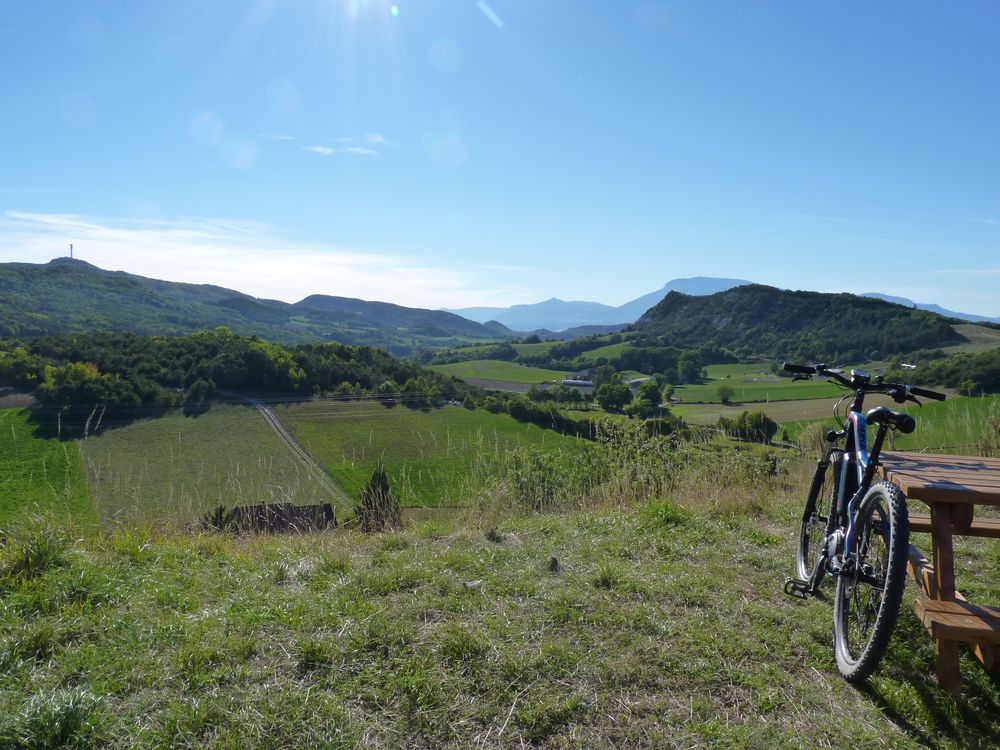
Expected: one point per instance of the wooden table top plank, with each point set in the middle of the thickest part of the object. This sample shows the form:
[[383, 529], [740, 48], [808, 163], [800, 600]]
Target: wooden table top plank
[[941, 478], [940, 458]]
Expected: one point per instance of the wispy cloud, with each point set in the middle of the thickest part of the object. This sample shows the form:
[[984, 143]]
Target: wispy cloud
[[329, 151], [321, 150], [276, 137], [246, 256], [370, 139], [989, 221]]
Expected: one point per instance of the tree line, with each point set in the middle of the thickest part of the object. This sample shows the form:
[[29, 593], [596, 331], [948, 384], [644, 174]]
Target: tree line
[[124, 370]]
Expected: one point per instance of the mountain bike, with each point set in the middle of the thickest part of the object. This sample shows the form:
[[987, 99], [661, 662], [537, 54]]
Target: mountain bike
[[854, 528]]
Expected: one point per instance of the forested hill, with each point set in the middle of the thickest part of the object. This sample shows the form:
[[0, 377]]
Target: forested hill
[[762, 320], [72, 297]]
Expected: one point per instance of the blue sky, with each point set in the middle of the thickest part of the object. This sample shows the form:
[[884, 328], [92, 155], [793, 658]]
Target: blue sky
[[458, 153]]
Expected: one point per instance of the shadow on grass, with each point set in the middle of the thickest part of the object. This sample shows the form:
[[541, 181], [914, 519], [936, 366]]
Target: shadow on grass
[[929, 712]]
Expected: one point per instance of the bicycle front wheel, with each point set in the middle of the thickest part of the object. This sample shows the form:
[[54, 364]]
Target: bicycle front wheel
[[868, 596]]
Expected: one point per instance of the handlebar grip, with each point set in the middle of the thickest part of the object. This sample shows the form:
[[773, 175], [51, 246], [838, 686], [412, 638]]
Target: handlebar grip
[[927, 394], [804, 369]]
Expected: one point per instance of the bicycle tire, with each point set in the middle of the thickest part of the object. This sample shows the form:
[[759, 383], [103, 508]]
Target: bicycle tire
[[867, 601], [814, 526]]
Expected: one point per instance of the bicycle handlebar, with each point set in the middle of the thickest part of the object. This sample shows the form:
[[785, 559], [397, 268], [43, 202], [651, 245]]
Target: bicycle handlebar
[[926, 394], [899, 391]]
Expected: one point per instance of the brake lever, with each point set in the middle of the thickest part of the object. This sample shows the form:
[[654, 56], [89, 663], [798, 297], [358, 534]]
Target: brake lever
[[897, 395], [911, 397]]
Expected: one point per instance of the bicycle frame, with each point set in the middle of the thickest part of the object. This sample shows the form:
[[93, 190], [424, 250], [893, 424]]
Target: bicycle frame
[[857, 470]]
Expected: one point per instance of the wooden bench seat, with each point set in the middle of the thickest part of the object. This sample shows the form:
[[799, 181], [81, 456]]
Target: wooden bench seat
[[985, 527], [959, 620]]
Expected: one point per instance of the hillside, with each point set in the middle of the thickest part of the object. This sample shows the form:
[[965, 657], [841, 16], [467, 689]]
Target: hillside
[[762, 320], [73, 297]]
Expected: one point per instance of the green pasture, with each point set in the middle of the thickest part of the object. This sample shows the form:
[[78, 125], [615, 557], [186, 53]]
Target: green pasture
[[533, 350], [39, 474], [174, 468], [609, 351], [780, 411], [753, 383], [496, 369], [428, 454], [960, 425], [978, 339]]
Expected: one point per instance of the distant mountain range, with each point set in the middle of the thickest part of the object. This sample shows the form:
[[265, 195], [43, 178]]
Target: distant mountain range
[[557, 315], [933, 308], [69, 296], [554, 316]]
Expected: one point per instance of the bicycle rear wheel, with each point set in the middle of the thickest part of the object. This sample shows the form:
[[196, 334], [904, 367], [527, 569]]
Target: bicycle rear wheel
[[867, 602], [817, 517]]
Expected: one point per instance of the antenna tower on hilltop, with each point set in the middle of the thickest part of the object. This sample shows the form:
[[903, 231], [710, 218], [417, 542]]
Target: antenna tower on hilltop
[[71, 250]]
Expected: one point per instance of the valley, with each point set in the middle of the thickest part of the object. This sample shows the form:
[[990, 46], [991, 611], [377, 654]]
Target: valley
[[559, 548]]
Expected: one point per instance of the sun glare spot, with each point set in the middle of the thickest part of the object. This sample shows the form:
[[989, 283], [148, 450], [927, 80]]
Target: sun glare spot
[[394, 10]]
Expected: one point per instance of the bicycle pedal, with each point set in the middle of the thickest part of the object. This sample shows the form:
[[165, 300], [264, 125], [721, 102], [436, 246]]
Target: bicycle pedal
[[798, 588]]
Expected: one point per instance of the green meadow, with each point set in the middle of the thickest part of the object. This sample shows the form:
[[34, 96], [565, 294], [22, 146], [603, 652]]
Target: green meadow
[[752, 383], [608, 351], [977, 339], [39, 474], [495, 369], [960, 425], [429, 454], [779, 411], [175, 467], [531, 350], [660, 624]]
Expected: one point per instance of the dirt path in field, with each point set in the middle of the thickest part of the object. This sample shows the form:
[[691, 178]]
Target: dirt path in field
[[293, 445]]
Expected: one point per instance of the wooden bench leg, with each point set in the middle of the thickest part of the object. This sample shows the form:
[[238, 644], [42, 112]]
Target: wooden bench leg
[[948, 673]]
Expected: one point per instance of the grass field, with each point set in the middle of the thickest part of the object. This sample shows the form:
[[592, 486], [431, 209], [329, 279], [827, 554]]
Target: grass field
[[663, 626], [39, 475], [174, 468], [610, 351], [753, 383], [531, 350], [958, 425], [495, 369], [780, 411], [428, 454], [980, 339]]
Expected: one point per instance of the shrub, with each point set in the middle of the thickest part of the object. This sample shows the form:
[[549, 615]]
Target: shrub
[[378, 507]]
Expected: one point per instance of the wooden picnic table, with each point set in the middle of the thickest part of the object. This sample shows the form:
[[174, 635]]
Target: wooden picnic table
[[951, 486]]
